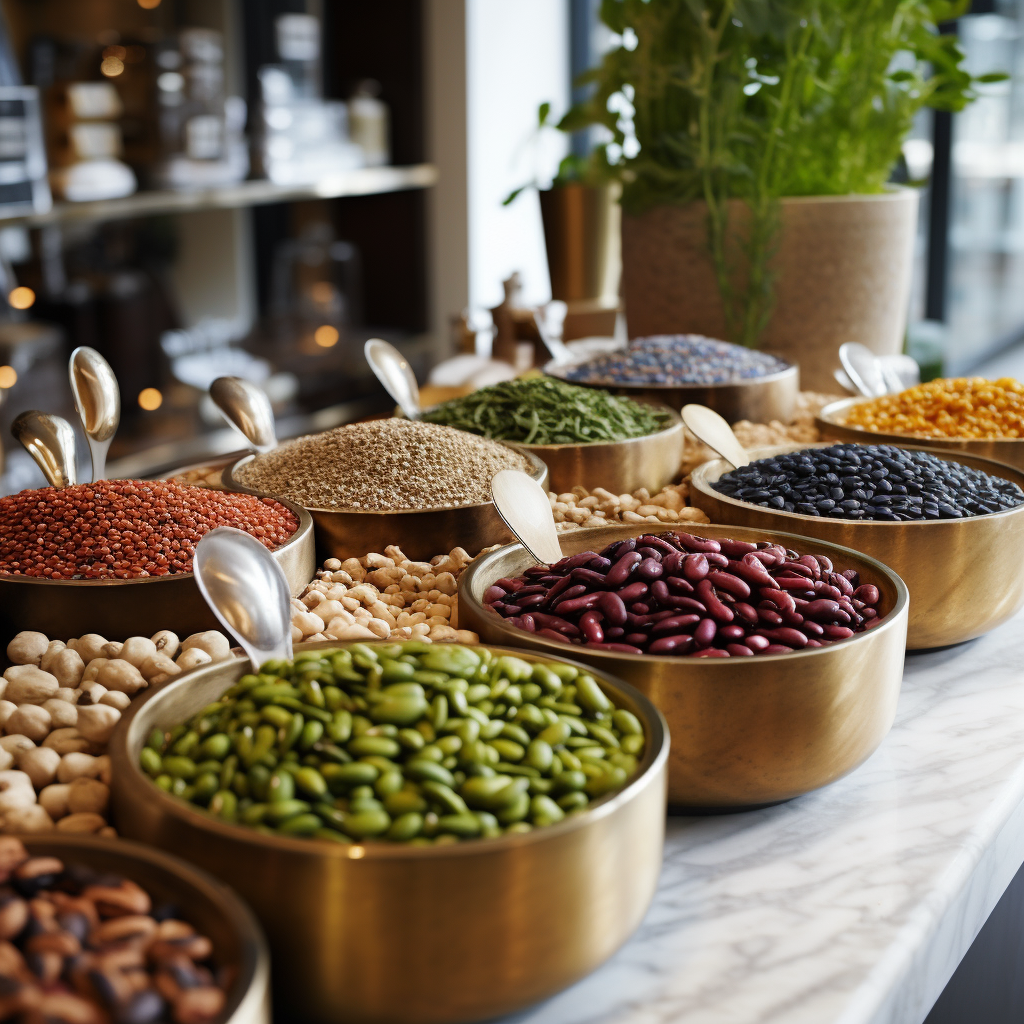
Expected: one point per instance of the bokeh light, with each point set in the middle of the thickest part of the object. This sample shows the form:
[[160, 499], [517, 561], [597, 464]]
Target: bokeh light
[[326, 336], [22, 297], [8, 376], [149, 5], [112, 67], [150, 399]]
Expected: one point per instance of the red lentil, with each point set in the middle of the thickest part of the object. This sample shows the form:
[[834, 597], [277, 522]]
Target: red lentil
[[125, 529]]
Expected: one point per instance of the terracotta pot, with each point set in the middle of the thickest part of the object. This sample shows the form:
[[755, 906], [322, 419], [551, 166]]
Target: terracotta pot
[[843, 263]]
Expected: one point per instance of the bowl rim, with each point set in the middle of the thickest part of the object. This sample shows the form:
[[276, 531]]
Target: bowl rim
[[540, 473], [791, 369], [675, 421], [254, 969], [304, 529], [699, 482], [828, 415], [889, 621], [653, 762]]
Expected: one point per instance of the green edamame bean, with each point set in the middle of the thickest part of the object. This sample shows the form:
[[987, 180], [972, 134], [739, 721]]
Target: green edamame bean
[[300, 825], [411, 739], [539, 755], [466, 826], [508, 749], [555, 735], [603, 735], [150, 760], [389, 782], [429, 771], [489, 824], [439, 711], [573, 801], [482, 792], [310, 782], [311, 733], [281, 787], [405, 827], [156, 740], [363, 745], [405, 801], [445, 796], [569, 781], [276, 716], [346, 775], [545, 811], [224, 804], [253, 814], [590, 695], [339, 729], [279, 812], [205, 786], [632, 744], [288, 736], [514, 811], [626, 722], [178, 786], [332, 835], [180, 767], [367, 824], [329, 815], [258, 777], [164, 782]]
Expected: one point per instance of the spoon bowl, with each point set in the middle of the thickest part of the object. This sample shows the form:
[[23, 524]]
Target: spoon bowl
[[710, 428], [392, 369], [50, 440], [523, 505], [98, 402], [246, 407]]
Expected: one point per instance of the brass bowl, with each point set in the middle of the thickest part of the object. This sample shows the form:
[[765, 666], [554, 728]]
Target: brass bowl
[[389, 934], [618, 466], [745, 731], [118, 609], [420, 533], [208, 905], [759, 399], [831, 424], [965, 576]]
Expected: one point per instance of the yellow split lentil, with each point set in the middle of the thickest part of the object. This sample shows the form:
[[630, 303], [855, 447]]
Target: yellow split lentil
[[969, 407]]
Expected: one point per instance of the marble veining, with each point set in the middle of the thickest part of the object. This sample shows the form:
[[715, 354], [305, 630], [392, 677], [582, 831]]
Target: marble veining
[[852, 905]]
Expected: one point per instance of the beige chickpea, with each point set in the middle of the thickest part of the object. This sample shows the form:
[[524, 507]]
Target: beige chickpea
[[88, 796], [27, 684], [68, 668], [66, 742], [97, 722], [121, 675], [194, 657], [101, 769], [52, 650], [15, 744], [89, 646], [7, 708], [328, 609], [77, 765], [40, 764], [116, 699], [63, 714], [92, 692], [30, 720], [32, 818], [15, 790], [82, 823], [113, 649], [158, 665], [212, 641], [54, 799], [27, 647], [166, 642], [137, 650], [309, 623], [379, 628]]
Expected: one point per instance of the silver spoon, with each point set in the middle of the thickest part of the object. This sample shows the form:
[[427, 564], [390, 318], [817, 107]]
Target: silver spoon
[[98, 402], [523, 504], [392, 369], [50, 440], [560, 352], [707, 426], [862, 366], [246, 407], [247, 591]]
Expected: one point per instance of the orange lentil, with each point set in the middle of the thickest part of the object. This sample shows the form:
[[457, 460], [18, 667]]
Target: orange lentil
[[125, 529], [967, 407]]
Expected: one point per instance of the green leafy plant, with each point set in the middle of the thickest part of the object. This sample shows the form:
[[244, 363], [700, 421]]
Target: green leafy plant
[[719, 100]]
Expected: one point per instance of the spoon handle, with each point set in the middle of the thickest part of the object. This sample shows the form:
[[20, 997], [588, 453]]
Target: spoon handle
[[98, 450], [707, 426], [392, 369]]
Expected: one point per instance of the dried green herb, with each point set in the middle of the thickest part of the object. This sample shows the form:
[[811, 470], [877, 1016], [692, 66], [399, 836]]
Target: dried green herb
[[541, 410]]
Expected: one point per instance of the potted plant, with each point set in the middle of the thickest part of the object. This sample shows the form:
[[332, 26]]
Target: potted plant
[[755, 140]]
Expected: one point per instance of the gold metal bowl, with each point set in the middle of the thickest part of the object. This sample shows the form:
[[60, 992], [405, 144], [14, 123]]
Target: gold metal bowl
[[745, 731], [965, 576], [118, 609], [759, 399], [618, 466], [832, 425], [382, 933], [208, 905], [420, 533]]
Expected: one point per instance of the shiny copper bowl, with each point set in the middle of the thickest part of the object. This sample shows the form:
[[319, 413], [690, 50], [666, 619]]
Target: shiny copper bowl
[[965, 576], [759, 399], [831, 424], [118, 609], [420, 533], [239, 947], [382, 933], [745, 731], [618, 466]]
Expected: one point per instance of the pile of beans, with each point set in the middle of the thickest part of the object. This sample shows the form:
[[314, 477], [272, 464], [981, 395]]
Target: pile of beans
[[675, 359], [880, 483], [82, 947], [676, 594], [580, 507], [384, 596], [125, 529], [411, 743], [59, 704], [968, 407], [383, 466]]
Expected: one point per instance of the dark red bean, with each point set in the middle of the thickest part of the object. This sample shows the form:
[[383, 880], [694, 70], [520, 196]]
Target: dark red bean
[[868, 593], [827, 591], [613, 632], [677, 644], [651, 540], [769, 617], [494, 593], [798, 584], [751, 569], [779, 599], [823, 610], [707, 596], [550, 634], [613, 608], [590, 578], [682, 604], [619, 648], [811, 628], [711, 652], [675, 624], [577, 604], [639, 608], [559, 588], [633, 592], [572, 561], [811, 642], [705, 632], [785, 635], [679, 585], [507, 609], [506, 584], [620, 571], [769, 556], [798, 569], [729, 583], [659, 590], [649, 569], [812, 563], [756, 642], [648, 552], [531, 600], [777, 649], [736, 548], [869, 613], [590, 626], [739, 650], [599, 564], [528, 622], [692, 543], [746, 612], [695, 568], [731, 633], [673, 563], [559, 625], [853, 576], [824, 562]]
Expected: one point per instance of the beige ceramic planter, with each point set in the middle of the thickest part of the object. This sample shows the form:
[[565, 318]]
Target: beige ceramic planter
[[843, 264]]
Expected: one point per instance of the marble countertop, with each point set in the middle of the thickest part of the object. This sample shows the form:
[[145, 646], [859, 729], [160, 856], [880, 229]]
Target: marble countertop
[[851, 905]]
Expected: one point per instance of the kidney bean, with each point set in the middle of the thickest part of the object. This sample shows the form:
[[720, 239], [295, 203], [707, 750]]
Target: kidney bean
[[753, 570], [736, 548], [732, 632], [674, 624], [506, 584], [649, 569], [534, 571], [746, 612], [780, 599], [739, 650], [652, 540], [639, 608], [633, 592], [550, 634], [852, 575], [619, 648], [558, 624], [716, 609], [695, 568], [528, 622], [564, 584], [756, 642], [769, 556], [711, 652], [590, 578], [494, 593], [827, 591], [679, 585], [720, 561], [659, 591], [868, 593], [577, 604], [676, 644], [812, 563], [798, 584], [532, 600], [869, 613], [508, 609], [704, 544], [837, 632], [613, 632], [572, 561], [620, 571], [729, 583], [769, 617], [778, 649], [705, 632], [599, 565], [647, 552], [798, 569], [686, 604], [613, 608], [823, 610], [809, 628], [635, 638]]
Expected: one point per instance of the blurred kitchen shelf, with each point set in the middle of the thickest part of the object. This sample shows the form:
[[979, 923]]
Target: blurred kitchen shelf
[[364, 181]]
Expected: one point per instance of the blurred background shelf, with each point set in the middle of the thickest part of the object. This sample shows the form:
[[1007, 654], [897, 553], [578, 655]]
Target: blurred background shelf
[[364, 181]]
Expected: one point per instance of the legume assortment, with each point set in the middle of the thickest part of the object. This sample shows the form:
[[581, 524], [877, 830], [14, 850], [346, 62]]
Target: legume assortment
[[967, 407], [873, 482], [407, 743], [382, 466], [675, 359], [125, 529], [79, 946], [543, 410], [59, 705], [677, 594]]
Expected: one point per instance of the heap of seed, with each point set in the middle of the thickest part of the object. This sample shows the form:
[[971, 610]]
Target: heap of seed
[[383, 466]]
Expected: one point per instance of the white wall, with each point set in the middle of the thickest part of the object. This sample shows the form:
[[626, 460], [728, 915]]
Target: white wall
[[517, 58]]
